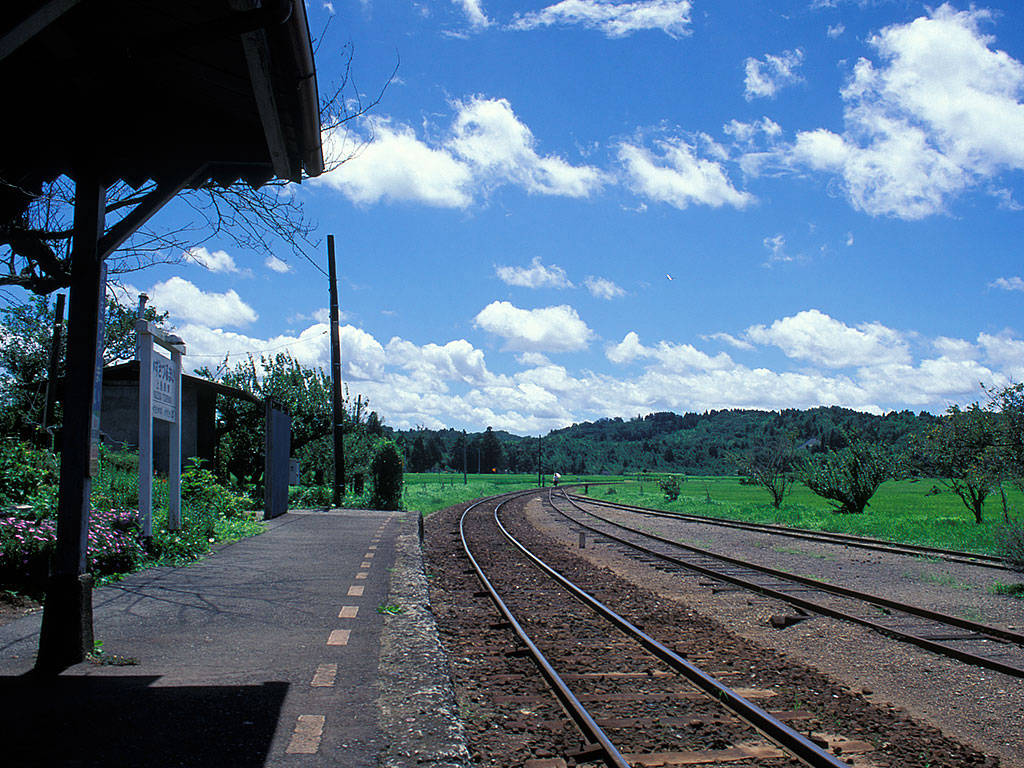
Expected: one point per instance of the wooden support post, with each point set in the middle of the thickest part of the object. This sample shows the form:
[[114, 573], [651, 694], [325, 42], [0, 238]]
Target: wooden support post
[[66, 635]]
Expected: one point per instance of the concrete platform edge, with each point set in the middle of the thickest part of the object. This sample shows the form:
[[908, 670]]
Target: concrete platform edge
[[418, 714]]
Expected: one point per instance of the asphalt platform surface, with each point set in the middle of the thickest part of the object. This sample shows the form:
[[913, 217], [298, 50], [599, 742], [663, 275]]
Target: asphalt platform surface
[[311, 644]]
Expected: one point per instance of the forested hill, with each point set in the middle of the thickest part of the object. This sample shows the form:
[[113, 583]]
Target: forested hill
[[694, 443]]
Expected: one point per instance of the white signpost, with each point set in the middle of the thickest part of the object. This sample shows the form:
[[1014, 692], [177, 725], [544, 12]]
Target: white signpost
[[159, 398]]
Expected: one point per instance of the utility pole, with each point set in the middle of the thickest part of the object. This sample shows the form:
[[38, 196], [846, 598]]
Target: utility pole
[[465, 481], [339, 408], [540, 477]]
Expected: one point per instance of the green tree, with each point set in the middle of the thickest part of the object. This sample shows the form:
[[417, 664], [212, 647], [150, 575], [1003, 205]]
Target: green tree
[[492, 455], [386, 469], [671, 487], [771, 464], [963, 447], [851, 475]]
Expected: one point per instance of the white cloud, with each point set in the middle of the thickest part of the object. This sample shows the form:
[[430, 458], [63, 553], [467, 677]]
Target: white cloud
[[615, 19], [835, 30], [766, 78], [277, 265], [1015, 283], [474, 13], [188, 303], [487, 146], [776, 246], [549, 329], [678, 177], [940, 114], [215, 261], [395, 166], [602, 288], [729, 339], [487, 134], [534, 276], [814, 336]]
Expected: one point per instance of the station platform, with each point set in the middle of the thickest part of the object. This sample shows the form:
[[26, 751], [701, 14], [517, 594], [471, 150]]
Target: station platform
[[311, 644]]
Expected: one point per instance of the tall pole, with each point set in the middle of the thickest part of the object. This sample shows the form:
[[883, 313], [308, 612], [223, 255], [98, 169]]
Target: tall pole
[[66, 635], [339, 407], [465, 481], [540, 479], [51, 384]]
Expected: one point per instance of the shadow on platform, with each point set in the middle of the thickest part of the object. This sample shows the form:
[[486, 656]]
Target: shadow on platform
[[81, 722]]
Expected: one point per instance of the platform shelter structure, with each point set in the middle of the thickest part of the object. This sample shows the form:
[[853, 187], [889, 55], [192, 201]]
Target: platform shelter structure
[[161, 96]]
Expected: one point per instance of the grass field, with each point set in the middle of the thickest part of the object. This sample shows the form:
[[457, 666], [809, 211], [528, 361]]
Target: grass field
[[429, 492], [901, 510]]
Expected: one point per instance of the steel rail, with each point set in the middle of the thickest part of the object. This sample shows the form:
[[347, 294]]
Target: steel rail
[[789, 739], [572, 706], [923, 642], [845, 539]]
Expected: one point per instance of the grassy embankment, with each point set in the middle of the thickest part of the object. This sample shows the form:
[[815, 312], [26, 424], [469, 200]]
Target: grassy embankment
[[902, 510]]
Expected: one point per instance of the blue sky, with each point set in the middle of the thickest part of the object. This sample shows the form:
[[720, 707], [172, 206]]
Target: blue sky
[[589, 208]]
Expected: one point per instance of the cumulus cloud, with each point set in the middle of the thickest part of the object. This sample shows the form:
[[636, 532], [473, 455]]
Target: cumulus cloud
[[277, 265], [534, 276], [766, 77], [1015, 283], [614, 19], [549, 329], [395, 166], [187, 303], [678, 177], [488, 135], [937, 114], [474, 13], [822, 340], [602, 288], [487, 146], [215, 261]]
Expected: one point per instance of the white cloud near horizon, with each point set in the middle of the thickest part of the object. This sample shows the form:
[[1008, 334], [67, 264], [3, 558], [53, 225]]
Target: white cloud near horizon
[[1015, 283], [765, 78], [864, 366], [548, 329], [614, 19], [937, 114]]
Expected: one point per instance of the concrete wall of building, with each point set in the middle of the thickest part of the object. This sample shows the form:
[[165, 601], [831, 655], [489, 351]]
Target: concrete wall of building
[[119, 422]]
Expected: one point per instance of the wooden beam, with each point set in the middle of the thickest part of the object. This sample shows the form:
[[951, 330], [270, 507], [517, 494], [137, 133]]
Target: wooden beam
[[145, 209], [35, 23]]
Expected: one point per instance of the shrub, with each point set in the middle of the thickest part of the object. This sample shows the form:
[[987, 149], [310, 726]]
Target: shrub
[[1010, 542], [386, 469], [671, 487], [850, 476], [25, 470]]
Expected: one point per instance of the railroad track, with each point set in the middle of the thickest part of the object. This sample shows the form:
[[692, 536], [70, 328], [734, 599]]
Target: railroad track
[[634, 700], [844, 539], [983, 645]]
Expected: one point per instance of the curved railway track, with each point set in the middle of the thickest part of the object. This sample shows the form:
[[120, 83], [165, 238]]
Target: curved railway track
[[844, 539], [634, 700], [971, 642]]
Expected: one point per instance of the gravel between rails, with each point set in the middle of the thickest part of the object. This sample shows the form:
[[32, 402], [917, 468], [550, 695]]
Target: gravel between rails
[[976, 706], [510, 718]]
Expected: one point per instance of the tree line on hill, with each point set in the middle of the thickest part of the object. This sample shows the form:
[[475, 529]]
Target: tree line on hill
[[692, 444]]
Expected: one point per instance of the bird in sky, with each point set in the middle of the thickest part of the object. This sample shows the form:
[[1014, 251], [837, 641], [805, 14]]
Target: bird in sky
[[669, 277]]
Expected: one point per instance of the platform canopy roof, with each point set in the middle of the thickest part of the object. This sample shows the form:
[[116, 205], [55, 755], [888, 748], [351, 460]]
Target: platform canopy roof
[[181, 92]]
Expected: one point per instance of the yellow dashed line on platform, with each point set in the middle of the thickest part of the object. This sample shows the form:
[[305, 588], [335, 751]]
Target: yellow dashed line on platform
[[365, 564], [348, 612], [339, 637], [369, 555], [306, 739], [356, 591], [324, 676], [362, 575], [372, 546]]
